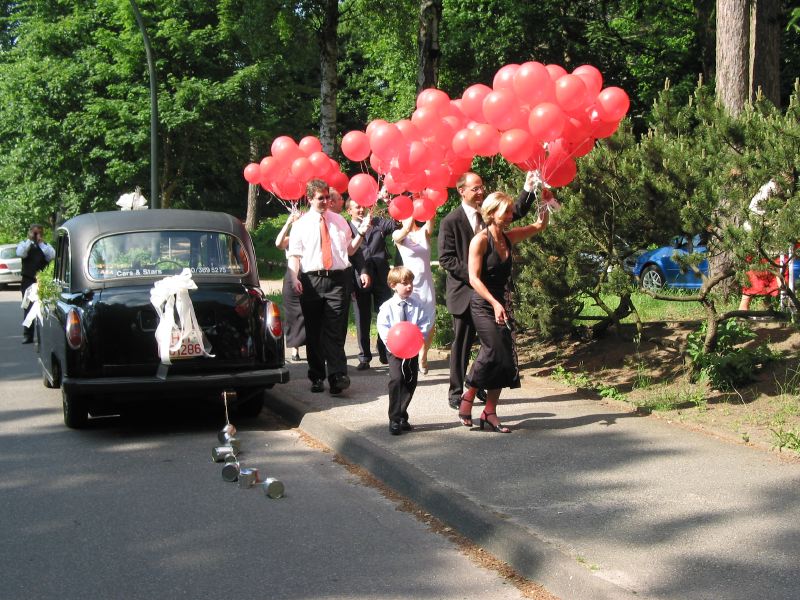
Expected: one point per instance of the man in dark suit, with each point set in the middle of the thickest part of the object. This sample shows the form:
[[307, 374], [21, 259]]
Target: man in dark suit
[[369, 297], [455, 233]]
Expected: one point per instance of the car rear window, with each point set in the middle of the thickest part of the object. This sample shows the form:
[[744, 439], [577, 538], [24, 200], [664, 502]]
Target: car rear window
[[8, 253], [162, 253]]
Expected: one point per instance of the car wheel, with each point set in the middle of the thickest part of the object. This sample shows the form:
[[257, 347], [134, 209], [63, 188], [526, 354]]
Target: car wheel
[[252, 406], [652, 278], [76, 412]]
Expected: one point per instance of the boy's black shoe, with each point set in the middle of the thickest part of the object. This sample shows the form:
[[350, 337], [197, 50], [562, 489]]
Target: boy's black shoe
[[317, 386], [405, 425], [362, 366], [395, 428]]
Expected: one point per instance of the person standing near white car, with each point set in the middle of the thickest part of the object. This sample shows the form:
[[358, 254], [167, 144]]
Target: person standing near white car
[[35, 254]]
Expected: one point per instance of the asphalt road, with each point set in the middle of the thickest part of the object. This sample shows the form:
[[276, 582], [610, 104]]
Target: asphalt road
[[134, 508]]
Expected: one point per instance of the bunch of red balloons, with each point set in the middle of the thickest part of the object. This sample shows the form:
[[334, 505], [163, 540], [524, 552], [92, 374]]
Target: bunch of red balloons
[[291, 165], [535, 116]]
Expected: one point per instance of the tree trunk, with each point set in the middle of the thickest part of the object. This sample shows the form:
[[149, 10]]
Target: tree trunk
[[251, 220], [733, 26], [765, 44], [430, 15], [329, 85]]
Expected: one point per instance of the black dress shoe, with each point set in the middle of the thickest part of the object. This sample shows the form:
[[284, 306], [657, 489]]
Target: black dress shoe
[[395, 428], [455, 403], [340, 381], [318, 386], [362, 366], [384, 360], [27, 340], [405, 425]]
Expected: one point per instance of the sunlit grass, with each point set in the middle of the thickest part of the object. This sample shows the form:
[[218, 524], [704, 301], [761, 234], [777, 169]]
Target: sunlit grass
[[651, 309]]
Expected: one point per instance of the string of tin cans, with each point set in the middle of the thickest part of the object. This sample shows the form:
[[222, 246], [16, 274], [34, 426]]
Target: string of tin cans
[[233, 470]]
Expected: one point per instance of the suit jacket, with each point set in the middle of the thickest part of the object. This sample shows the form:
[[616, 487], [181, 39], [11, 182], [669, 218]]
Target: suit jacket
[[455, 234], [373, 251]]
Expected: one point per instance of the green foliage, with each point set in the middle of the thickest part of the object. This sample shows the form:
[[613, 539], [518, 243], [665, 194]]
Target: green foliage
[[47, 289], [666, 399], [786, 439], [270, 259], [728, 365]]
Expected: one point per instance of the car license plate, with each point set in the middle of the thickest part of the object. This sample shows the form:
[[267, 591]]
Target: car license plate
[[189, 348]]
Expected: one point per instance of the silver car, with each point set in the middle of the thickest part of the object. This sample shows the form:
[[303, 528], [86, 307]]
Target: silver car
[[10, 265]]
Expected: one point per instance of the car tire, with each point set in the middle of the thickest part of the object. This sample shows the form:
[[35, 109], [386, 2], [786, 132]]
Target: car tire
[[76, 411], [251, 407], [652, 278]]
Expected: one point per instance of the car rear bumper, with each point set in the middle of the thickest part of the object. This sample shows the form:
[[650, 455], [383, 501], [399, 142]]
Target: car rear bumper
[[176, 383]]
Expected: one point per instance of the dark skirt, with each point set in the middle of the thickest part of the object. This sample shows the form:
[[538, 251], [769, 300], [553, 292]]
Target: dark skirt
[[496, 364], [293, 323]]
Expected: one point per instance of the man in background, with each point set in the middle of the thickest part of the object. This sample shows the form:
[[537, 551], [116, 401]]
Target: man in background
[[35, 254]]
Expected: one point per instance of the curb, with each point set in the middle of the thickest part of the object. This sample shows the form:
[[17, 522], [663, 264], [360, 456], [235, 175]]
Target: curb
[[531, 556]]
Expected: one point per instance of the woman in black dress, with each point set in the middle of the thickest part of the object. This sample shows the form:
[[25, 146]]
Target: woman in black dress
[[293, 323], [490, 276]]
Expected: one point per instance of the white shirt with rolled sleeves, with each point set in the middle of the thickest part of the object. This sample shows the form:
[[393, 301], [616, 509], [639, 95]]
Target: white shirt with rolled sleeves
[[391, 312], [305, 241]]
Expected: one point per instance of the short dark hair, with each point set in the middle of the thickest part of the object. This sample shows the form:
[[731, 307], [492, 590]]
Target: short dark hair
[[314, 186], [35, 226], [463, 179]]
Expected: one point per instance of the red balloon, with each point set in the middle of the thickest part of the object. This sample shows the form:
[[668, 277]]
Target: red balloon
[[401, 207], [386, 141], [556, 71], [516, 145], [289, 189], [583, 148], [269, 167], [425, 118], [532, 84], [320, 163], [416, 182], [592, 78], [355, 145], [438, 176], [363, 189], [472, 101], [576, 129], [424, 209], [461, 144], [559, 170], [409, 130], [374, 124], [436, 195], [571, 92], [484, 140], [546, 122], [392, 185], [404, 340], [310, 144], [302, 169], [338, 181], [434, 99], [504, 78], [535, 161], [415, 159], [612, 104], [378, 165], [599, 128], [285, 149], [252, 173], [500, 108]]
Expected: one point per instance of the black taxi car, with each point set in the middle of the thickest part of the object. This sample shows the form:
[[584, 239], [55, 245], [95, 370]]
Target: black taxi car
[[97, 340]]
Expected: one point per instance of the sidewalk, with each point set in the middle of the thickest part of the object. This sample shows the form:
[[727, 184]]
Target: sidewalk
[[584, 497]]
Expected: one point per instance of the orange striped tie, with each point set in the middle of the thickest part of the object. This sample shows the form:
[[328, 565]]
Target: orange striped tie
[[325, 244]]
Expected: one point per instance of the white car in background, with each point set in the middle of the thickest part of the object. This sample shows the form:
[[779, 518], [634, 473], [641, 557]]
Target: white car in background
[[10, 265]]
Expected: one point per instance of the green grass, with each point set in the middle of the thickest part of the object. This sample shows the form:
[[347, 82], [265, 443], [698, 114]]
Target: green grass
[[651, 309]]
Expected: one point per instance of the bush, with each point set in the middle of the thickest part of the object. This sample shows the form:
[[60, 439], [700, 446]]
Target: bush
[[271, 260]]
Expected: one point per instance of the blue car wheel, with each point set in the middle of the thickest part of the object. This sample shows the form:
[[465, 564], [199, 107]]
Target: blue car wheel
[[652, 278]]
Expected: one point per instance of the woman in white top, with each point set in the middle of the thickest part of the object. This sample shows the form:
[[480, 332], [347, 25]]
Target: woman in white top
[[413, 244], [294, 325]]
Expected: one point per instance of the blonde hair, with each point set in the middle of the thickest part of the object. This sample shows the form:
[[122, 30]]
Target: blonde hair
[[495, 205], [399, 275]]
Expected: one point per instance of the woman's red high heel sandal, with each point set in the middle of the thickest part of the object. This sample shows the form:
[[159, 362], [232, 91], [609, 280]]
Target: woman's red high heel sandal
[[496, 428]]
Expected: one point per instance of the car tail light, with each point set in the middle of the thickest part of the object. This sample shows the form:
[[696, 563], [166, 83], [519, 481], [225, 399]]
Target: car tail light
[[3, 266], [274, 325], [74, 329]]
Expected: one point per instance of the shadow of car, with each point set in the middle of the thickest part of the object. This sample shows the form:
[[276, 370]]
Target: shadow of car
[[10, 265], [97, 339]]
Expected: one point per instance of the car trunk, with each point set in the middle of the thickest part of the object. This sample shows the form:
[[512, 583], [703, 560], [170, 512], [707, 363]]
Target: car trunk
[[225, 312]]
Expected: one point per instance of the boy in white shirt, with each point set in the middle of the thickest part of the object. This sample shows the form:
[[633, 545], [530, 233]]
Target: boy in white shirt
[[402, 372]]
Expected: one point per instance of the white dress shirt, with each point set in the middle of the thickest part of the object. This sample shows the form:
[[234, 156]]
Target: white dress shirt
[[391, 312], [474, 216], [305, 241], [25, 246]]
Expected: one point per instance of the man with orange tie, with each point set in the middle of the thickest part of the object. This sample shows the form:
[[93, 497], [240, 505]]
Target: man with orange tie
[[319, 250]]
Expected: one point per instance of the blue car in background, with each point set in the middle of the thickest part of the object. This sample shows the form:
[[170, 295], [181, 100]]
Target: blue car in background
[[655, 269]]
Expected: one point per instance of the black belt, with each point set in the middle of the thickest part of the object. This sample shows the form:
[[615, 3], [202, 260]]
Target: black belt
[[326, 273]]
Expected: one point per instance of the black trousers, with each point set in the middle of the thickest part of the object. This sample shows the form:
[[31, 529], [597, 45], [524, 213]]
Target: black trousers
[[325, 303], [27, 332], [402, 383], [367, 301], [463, 339]]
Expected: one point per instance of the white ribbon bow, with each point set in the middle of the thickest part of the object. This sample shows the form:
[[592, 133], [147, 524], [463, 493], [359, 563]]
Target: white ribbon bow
[[31, 298], [168, 296]]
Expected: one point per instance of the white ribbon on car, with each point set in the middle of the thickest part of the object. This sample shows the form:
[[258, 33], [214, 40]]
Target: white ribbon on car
[[170, 296], [31, 298]]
